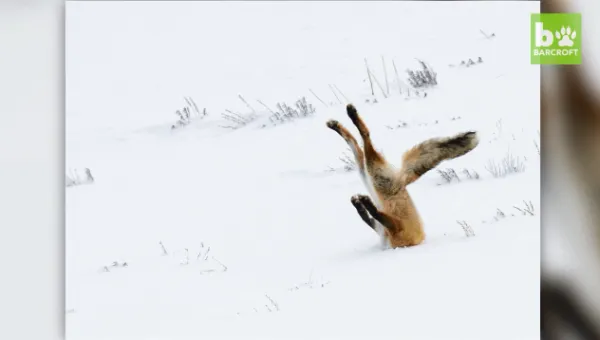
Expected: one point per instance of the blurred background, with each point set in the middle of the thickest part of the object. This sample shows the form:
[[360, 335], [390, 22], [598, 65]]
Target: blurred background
[[571, 186]]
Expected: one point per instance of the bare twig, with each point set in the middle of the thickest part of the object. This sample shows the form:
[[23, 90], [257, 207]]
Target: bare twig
[[445, 175], [188, 113], [508, 165], [314, 94], [449, 174], [163, 248], [528, 208], [370, 79], [466, 228], [192, 103], [349, 163], [187, 257], [272, 302], [201, 254], [342, 93], [266, 107], [248, 105], [387, 84], [238, 119], [397, 77], [471, 174], [453, 174], [379, 85], [224, 266], [336, 96]]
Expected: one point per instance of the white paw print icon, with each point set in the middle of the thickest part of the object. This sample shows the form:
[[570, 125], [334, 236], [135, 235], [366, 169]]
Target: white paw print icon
[[566, 36]]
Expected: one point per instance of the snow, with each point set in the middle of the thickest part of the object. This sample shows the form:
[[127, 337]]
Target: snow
[[289, 256]]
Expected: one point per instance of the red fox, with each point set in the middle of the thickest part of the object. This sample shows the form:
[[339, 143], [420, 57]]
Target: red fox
[[389, 210]]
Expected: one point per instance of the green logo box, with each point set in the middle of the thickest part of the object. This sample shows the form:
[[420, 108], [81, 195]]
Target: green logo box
[[556, 38]]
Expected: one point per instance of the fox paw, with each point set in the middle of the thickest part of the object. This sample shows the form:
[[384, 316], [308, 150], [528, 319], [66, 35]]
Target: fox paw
[[355, 200], [364, 199], [366, 202], [333, 124], [352, 113], [361, 199]]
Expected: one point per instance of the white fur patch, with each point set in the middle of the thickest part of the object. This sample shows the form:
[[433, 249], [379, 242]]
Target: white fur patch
[[366, 178], [371, 189], [475, 140], [380, 230]]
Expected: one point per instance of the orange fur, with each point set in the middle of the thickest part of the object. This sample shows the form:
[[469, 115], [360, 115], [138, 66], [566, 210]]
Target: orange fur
[[390, 210]]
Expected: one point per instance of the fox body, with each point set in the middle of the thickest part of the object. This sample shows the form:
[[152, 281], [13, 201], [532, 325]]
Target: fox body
[[389, 210]]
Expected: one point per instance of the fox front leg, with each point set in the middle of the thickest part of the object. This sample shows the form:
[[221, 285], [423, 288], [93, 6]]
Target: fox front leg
[[362, 211]]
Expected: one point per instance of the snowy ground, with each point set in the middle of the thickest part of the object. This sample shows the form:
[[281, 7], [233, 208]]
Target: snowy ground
[[248, 233]]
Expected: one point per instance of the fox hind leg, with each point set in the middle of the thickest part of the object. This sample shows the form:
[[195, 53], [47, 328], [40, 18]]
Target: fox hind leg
[[381, 172], [358, 152], [359, 155]]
